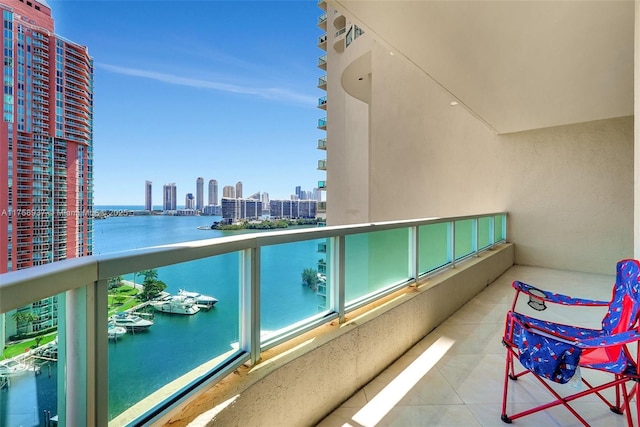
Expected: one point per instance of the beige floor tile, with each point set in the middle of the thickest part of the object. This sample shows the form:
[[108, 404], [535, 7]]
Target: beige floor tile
[[465, 386]]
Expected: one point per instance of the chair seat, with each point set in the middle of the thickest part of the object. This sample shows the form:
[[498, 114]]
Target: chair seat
[[609, 358]]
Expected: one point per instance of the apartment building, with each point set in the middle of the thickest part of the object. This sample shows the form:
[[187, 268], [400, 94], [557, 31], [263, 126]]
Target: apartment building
[[46, 149]]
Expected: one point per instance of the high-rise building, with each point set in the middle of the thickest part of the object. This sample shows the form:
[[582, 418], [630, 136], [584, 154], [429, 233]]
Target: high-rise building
[[46, 148], [213, 192], [298, 191], [199, 193], [235, 209], [189, 201], [327, 25], [229, 191], [265, 203], [169, 197], [148, 202], [293, 208], [239, 190]]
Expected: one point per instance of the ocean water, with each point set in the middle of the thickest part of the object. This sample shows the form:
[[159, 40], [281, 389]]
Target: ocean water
[[175, 344], [142, 363]]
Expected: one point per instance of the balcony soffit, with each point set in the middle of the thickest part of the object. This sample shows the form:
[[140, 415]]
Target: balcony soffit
[[517, 65]]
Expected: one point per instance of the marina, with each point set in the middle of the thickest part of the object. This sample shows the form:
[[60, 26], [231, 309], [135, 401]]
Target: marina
[[143, 362], [177, 304]]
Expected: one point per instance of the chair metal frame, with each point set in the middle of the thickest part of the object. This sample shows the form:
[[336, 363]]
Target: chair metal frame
[[620, 329]]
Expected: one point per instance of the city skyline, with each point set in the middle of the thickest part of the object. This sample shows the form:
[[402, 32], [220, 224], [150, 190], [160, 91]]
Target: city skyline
[[167, 198], [198, 97]]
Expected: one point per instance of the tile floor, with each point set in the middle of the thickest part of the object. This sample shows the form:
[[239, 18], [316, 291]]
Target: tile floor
[[459, 367]]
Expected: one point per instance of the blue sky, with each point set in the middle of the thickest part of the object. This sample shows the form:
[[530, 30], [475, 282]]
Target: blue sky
[[224, 90]]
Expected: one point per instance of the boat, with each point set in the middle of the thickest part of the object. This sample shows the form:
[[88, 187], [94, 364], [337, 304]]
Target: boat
[[131, 322], [12, 368], [114, 331], [177, 304], [204, 301]]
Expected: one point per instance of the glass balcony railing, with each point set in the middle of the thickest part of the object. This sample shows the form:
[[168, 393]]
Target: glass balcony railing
[[322, 21], [322, 41], [322, 102], [322, 82], [270, 287], [322, 123], [322, 62], [322, 165], [322, 143]]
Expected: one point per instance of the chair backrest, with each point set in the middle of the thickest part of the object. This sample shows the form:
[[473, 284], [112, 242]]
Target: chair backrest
[[625, 301]]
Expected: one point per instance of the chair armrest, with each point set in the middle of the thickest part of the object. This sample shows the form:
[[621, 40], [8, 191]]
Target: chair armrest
[[555, 297], [609, 340]]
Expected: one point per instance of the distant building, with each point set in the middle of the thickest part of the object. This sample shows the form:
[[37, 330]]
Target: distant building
[[148, 203], [229, 191], [265, 204], [239, 190], [239, 209], [255, 196], [298, 191], [199, 194], [213, 192], [293, 208], [189, 201], [169, 197], [215, 210]]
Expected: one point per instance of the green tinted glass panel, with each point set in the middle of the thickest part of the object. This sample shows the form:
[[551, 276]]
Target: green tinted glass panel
[[31, 366], [464, 238], [434, 247], [179, 332], [375, 261], [498, 228], [291, 276], [484, 232]]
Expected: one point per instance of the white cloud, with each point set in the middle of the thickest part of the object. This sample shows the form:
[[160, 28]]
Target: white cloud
[[274, 93]]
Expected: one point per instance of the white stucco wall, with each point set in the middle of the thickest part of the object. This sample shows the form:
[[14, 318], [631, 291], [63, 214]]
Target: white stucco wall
[[569, 190], [347, 142]]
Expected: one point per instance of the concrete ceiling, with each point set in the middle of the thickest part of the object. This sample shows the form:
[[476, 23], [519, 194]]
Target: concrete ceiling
[[517, 65]]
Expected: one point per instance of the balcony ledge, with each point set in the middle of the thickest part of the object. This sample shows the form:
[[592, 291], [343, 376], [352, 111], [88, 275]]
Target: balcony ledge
[[277, 390]]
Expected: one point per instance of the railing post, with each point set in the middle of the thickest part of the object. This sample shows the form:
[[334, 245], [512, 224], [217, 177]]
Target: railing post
[[250, 303], [504, 226], [452, 243], [336, 258], [73, 351], [474, 230], [97, 354], [492, 231], [414, 253]]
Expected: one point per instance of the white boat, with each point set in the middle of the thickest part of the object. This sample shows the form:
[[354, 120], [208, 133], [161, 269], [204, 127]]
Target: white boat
[[178, 304], [115, 331], [204, 301], [12, 368], [131, 322]]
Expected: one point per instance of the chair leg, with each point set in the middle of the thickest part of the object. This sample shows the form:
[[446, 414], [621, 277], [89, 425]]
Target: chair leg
[[509, 374]]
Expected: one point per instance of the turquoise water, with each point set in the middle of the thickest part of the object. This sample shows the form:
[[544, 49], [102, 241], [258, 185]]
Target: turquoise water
[[143, 363], [176, 344]]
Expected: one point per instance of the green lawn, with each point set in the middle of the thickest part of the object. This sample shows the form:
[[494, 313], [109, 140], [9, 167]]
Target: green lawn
[[21, 347], [122, 298]]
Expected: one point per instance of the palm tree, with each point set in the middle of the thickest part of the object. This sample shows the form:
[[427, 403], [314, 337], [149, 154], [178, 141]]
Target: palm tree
[[150, 276]]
